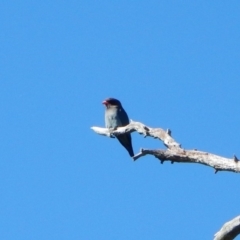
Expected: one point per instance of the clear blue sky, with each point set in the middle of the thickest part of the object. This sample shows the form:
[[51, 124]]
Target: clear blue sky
[[173, 64]]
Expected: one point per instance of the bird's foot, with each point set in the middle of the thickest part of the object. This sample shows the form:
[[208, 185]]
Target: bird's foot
[[111, 135]]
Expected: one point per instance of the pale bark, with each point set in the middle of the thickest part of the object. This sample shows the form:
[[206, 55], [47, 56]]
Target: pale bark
[[229, 230], [173, 152]]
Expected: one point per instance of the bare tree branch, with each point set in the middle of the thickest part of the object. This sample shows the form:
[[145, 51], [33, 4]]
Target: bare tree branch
[[174, 151], [229, 230], [159, 133]]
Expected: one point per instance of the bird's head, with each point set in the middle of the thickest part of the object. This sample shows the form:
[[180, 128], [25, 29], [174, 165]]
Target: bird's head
[[111, 102]]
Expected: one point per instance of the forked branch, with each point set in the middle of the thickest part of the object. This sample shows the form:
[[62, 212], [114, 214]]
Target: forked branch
[[174, 151]]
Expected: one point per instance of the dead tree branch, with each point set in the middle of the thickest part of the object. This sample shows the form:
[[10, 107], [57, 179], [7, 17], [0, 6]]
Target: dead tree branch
[[229, 230], [174, 151]]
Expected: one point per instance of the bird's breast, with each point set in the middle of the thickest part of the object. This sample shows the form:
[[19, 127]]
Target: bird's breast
[[112, 119]]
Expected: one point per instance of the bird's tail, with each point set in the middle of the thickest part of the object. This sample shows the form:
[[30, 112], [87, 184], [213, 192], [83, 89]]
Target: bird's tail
[[126, 141]]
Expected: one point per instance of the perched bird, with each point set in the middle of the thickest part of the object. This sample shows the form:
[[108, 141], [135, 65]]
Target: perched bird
[[115, 116]]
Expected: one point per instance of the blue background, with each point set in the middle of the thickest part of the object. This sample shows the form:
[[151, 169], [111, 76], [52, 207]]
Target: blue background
[[173, 64]]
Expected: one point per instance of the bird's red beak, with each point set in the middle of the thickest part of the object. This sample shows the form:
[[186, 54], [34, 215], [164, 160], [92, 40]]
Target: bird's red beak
[[105, 102]]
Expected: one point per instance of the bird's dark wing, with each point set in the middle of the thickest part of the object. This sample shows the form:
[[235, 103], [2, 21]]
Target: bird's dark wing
[[122, 115]]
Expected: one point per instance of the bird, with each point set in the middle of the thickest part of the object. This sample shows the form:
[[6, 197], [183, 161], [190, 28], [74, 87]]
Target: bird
[[115, 116]]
